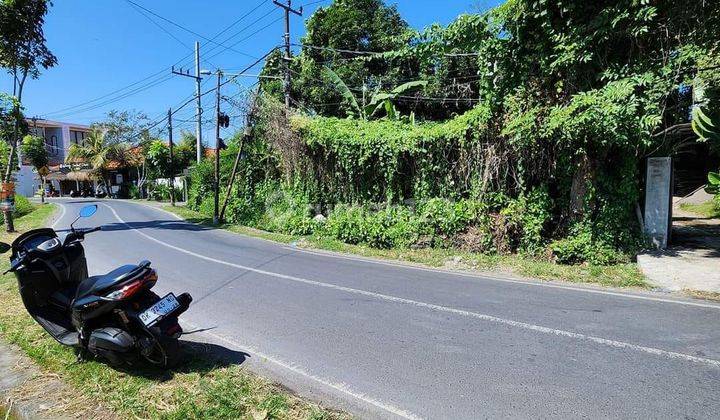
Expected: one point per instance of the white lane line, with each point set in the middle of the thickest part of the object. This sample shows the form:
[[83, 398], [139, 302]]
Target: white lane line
[[493, 277], [440, 308], [500, 279], [343, 388], [62, 214], [293, 367]]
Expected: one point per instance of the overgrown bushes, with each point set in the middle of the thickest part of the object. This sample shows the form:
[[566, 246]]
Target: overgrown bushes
[[22, 207], [561, 108]]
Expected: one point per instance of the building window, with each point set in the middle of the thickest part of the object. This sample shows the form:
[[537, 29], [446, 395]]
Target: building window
[[77, 137], [53, 145]]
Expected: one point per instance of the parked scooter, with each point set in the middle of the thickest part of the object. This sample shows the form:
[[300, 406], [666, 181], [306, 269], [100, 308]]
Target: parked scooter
[[115, 316]]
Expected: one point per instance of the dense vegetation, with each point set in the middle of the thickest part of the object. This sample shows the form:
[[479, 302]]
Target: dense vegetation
[[525, 128]]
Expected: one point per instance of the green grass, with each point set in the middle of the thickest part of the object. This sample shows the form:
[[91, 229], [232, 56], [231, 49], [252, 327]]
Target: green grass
[[619, 275], [203, 387], [707, 209]]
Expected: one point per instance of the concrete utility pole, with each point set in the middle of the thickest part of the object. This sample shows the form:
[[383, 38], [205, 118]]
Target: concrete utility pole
[[198, 126], [172, 161], [288, 9], [216, 210], [198, 95]]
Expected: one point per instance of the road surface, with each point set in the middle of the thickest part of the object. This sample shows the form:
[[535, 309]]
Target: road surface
[[388, 341]]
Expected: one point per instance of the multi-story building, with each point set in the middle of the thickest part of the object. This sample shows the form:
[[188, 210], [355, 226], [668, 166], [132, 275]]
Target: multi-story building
[[58, 138]]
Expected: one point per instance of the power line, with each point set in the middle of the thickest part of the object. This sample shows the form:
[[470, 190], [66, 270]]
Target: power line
[[189, 30], [158, 25], [250, 35], [214, 47], [376, 53], [65, 111], [407, 97], [142, 88]]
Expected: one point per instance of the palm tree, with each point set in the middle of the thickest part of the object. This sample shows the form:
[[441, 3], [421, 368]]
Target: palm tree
[[100, 154]]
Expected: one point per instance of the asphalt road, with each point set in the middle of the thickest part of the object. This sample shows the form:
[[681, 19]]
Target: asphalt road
[[387, 341]]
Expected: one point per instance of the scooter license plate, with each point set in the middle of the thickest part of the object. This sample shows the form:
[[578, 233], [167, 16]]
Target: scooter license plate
[[159, 310]]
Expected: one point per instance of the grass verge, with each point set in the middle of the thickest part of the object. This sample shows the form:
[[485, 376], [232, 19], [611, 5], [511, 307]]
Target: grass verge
[[706, 209], [207, 386], [620, 275]]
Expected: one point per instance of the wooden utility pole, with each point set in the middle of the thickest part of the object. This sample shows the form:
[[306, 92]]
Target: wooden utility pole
[[288, 9], [216, 209], [245, 137], [172, 160]]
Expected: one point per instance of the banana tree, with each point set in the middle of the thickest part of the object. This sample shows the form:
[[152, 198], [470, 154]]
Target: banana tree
[[385, 100], [379, 101]]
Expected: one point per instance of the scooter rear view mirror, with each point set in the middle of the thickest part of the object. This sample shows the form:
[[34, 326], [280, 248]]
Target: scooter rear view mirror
[[4, 247], [88, 211]]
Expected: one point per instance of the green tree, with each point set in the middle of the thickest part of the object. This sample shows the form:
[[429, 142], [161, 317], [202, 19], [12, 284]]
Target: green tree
[[185, 151], [100, 153], [23, 53], [332, 32], [129, 127], [157, 156], [33, 149]]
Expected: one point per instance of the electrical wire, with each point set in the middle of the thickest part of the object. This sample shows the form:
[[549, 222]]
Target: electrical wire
[[65, 111], [159, 26], [416, 98], [189, 30], [374, 53]]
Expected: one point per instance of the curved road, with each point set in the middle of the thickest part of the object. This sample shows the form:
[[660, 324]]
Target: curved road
[[389, 341]]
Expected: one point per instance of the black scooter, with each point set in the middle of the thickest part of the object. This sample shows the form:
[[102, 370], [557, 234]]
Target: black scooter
[[115, 316]]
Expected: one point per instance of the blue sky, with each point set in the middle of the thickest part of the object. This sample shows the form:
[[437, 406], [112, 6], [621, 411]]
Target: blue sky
[[106, 45]]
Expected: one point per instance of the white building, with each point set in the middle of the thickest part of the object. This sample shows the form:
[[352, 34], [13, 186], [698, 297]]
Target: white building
[[58, 138]]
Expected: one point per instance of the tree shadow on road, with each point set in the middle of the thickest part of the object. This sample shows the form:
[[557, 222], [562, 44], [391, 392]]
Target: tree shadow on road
[[157, 224]]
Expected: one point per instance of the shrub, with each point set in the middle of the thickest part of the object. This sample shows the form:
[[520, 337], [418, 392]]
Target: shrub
[[134, 192], [22, 206], [444, 217], [347, 223], [527, 218], [581, 247]]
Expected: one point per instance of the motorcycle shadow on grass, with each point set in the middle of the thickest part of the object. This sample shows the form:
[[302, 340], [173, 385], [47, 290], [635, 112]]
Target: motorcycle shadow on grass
[[198, 357]]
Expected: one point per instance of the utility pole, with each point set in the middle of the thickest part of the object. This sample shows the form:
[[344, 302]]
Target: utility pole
[[172, 160], [198, 126], [288, 9], [216, 216], [198, 80]]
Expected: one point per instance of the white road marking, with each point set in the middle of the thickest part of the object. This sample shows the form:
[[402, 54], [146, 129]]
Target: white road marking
[[440, 308], [62, 214], [501, 279], [494, 277], [343, 388]]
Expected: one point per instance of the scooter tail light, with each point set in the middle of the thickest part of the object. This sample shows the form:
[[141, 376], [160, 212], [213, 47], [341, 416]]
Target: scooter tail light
[[133, 287]]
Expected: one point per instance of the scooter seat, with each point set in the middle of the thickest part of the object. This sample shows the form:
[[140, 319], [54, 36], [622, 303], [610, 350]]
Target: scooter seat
[[96, 284]]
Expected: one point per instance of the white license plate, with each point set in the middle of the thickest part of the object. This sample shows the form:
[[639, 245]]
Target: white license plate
[[163, 307]]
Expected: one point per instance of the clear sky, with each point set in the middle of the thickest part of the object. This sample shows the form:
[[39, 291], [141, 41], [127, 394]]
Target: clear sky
[[104, 46]]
